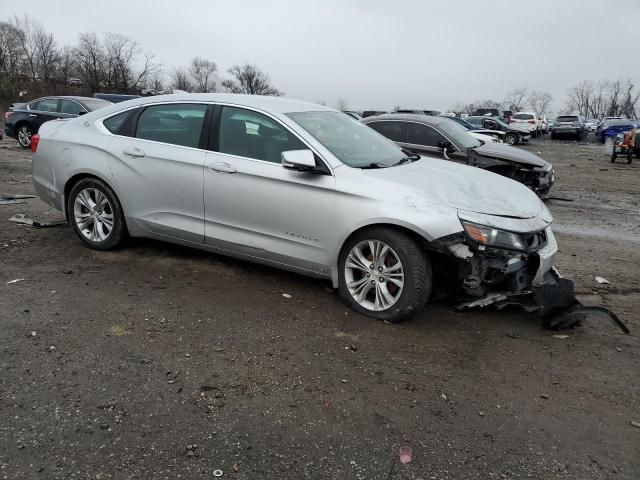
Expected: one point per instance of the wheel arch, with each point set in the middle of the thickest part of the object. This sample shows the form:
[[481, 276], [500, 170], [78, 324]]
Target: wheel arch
[[75, 178], [419, 236]]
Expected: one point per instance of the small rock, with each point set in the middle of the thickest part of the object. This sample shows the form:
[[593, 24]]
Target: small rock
[[618, 349], [635, 424], [482, 414], [32, 333], [545, 396], [561, 337], [67, 271], [104, 426]]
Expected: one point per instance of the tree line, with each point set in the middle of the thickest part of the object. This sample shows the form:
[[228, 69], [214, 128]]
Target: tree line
[[33, 64]]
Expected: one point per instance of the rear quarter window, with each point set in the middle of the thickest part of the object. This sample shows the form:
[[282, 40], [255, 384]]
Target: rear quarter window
[[114, 123]]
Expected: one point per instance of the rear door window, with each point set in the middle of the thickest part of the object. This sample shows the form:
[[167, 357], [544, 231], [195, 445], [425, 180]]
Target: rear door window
[[177, 124], [419, 134], [395, 131], [45, 105]]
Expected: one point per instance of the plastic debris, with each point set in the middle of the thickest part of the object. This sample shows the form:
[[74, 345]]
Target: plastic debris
[[22, 218], [218, 473], [286, 295], [602, 280], [561, 337], [16, 280]]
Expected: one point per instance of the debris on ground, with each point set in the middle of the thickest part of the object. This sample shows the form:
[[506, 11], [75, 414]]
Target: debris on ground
[[218, 473], [602, 280], [618, 349], [545, 396], [620, 259], [16, 280], [561, 337], [405, 454], [22, 218], [10, 202], [635, 424], [286, 295]]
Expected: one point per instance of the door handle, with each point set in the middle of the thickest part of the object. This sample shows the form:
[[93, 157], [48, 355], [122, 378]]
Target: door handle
[[33, 115], [222, 167], [133, 152]]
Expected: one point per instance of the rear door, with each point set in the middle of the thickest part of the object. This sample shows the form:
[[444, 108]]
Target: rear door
[[157, 159], [43, 111]]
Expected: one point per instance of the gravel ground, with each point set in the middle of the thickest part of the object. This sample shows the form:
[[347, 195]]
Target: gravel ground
[[161, 362]]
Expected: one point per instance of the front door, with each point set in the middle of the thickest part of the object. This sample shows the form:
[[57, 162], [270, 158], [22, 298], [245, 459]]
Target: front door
[[253, 205]]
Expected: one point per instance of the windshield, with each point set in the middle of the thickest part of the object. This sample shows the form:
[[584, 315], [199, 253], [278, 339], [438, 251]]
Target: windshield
[[95, 104], [458, 134], [352, 142]]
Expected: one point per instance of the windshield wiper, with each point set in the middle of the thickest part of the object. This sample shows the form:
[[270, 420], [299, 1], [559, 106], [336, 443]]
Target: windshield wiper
[[411, 157], [373, 165]]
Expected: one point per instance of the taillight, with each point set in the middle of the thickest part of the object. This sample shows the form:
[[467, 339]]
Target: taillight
[[35, 138], [8, 114], [532, 122], [511, 120]]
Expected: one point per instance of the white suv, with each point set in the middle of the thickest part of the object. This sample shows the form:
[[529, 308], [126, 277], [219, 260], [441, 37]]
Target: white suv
[[529, 120]]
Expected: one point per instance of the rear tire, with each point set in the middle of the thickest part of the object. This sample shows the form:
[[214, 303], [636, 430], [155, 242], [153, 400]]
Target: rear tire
[[511, 139], [629, 156], [370, 255], [614, 155], [24, 133], [95, 214]]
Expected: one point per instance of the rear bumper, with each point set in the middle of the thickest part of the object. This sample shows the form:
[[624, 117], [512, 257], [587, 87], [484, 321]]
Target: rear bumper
[[10, 131], [566, 131]]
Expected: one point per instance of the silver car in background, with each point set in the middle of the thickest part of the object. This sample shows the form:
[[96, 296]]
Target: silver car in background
[[298, 186]]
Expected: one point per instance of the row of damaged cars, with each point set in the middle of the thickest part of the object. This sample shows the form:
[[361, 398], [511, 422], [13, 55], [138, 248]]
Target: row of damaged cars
[[305, 188]]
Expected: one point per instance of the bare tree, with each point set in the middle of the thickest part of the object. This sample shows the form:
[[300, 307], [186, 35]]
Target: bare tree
[[203, 74], [180, 80], [251, 80], [90, 56], [124, 71], [540, 102], [67, 64], [342, 105], [29, 43], [515, 99], [10, 50], [580, 97], [48, 55]]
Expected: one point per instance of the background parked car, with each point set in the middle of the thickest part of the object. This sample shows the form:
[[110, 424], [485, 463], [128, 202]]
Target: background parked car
[[490, 112], [591, 124], [114, 97], [529, 120], [353, 114], [513, 134], [433, 113], [371, 113], [442, 137], [544, 124], [23, 121], [611, 128], [486, 136], [572, 125]]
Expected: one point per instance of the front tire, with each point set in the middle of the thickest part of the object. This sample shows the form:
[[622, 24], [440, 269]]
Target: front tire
[[95, 214], [511, 139], [24, 134], [384, 274]]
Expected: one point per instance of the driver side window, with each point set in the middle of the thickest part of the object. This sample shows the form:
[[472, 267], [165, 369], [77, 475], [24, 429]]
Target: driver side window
[[246, 133], [419, 134]]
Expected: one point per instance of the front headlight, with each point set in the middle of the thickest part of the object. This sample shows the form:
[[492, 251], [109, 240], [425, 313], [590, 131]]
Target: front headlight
[[492, 237]]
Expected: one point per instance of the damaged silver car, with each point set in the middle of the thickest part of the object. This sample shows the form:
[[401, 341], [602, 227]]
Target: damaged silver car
[[302, 187], [443, 138]]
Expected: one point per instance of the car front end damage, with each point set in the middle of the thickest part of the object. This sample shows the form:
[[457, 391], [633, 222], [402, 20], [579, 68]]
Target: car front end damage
[[540, 179], [512, 265]]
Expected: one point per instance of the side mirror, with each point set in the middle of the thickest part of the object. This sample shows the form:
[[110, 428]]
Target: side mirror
[[299, 160], [82, 112], [446, 145]]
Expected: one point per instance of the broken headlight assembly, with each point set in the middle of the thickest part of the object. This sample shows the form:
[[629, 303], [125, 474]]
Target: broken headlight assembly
[[492, 237]]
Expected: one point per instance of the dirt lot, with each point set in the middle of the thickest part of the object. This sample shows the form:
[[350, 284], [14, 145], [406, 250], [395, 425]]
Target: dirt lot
[[161, 362]]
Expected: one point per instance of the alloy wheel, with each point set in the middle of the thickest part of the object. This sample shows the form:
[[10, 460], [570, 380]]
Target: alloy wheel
[[93, 214], [24, 136], [374, 275]]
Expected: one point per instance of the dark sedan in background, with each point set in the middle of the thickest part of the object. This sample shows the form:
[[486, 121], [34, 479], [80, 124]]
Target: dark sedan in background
[[572, 125], [24, 120], [442, 137]]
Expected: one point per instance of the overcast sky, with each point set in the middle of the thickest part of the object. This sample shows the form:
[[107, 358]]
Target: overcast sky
[[375, 53]]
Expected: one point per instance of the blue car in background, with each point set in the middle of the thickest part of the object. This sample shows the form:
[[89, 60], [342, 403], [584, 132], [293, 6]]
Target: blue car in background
[[611, 128]]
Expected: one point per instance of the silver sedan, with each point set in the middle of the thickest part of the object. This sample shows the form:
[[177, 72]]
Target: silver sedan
[[297, 186]]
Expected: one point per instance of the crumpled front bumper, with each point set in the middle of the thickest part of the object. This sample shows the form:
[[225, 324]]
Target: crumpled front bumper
[[500, 277]]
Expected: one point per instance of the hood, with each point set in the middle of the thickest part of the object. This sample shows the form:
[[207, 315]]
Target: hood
[[462, 187], [512, 154]]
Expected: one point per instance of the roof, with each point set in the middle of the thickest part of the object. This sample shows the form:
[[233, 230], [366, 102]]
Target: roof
[[271, 104], [411, 117]]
